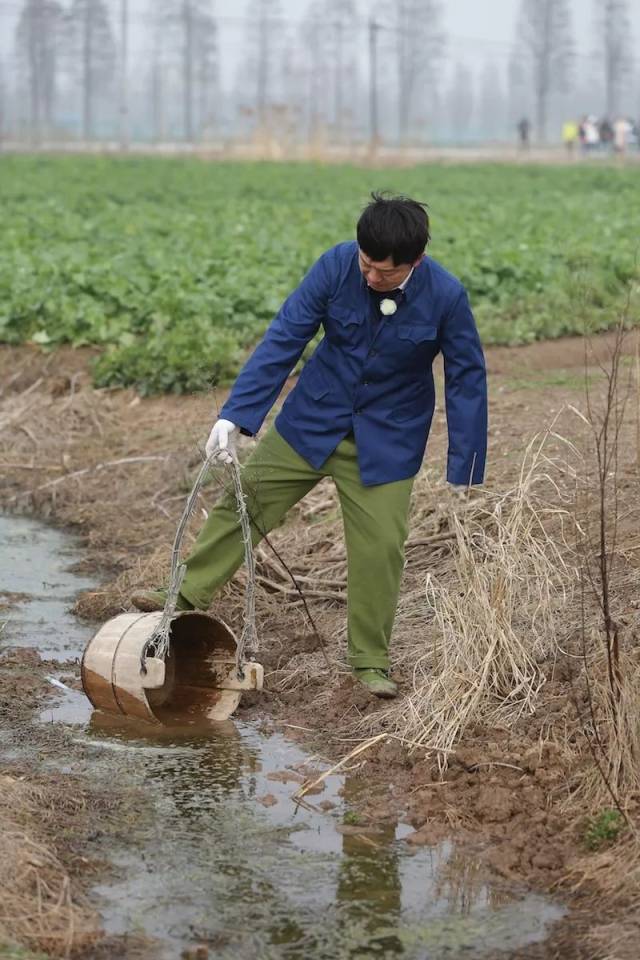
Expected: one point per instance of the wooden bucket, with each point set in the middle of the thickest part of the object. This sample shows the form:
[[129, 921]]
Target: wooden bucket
[[198, 681]]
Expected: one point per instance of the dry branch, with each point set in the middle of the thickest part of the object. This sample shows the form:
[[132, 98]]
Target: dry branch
[[311, 784], [96, 468]]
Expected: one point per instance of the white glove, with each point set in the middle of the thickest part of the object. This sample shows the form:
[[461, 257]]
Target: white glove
[[221, 444]]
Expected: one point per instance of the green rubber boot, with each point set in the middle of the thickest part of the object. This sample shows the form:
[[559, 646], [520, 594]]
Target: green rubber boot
[[150, 600], [377, 682]]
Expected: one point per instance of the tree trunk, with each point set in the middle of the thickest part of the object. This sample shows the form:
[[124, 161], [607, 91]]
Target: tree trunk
[[404, 109], [544, 69], [314, 89], [87, 72], [541, 114], [187, 70], [124, 106], [373, 84], [263, 69], [34, 40], [338, 102]]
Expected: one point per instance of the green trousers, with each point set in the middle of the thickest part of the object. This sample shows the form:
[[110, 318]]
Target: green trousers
[[375, 526]]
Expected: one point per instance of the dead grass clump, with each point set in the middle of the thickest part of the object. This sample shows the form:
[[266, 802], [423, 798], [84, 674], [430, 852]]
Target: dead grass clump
[[613, 732], [603, 872], [496, 616], [38, 907]]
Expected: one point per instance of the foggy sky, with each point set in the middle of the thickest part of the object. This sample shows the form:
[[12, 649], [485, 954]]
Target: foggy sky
[[465, 20], [478, 30], [479, 33]]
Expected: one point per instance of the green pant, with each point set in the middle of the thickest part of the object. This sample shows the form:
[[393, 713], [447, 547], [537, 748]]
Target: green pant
[[375, 526]]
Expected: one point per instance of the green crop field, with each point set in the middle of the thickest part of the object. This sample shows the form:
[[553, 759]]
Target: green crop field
[[175, 267]]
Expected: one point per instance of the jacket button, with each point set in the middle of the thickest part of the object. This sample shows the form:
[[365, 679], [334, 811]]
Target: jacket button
[[365, 383], [359, 410], [373, 353]]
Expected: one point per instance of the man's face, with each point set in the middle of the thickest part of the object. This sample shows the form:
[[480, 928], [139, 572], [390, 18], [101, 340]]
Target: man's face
[[383, 275]]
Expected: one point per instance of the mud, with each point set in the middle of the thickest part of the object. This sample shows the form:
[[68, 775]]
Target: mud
[[502, 792], [175, 814]]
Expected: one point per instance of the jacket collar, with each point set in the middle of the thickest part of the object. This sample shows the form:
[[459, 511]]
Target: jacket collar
[[413, 283], [416, 280]]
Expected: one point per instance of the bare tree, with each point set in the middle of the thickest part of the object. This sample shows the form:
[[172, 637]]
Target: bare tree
[[545, 31], [329, 35], [123, 57], [313, 39], [205, 64], [184, 66], [265, 27], [460, 102], [340, 27], [92, 47], [613, 31], [3, 103], [156, 72], [188, 36], [38, 43], [419, 45], [518, 94], [491, 106]]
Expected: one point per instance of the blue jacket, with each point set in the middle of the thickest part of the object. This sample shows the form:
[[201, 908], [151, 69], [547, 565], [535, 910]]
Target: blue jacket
[[376, 381]]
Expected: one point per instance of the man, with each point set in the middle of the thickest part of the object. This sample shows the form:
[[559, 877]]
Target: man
[[359, 413], [570, 136], [524, 129]]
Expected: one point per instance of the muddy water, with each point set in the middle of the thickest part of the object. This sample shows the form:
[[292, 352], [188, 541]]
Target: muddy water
[[35, 562], [220, 855]]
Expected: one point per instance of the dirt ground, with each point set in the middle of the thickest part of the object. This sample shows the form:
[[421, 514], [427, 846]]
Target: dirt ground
[[116, 468]]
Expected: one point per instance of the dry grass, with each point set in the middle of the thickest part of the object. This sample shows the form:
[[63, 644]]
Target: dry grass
[[603, 871], [488, 607], [487, 594], [612, 729], [489, 618], [38, 906]]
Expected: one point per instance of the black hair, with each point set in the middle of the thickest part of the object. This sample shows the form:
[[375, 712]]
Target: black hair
[[395, 227]]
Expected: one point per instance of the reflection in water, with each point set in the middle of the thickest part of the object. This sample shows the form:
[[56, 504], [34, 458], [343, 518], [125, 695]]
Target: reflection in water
[[212, 865], [282, 882], [369, 884], [206, 862], [462, 882]]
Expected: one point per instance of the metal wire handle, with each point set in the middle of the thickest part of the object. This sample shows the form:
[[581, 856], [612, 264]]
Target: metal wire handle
[[160, 640]]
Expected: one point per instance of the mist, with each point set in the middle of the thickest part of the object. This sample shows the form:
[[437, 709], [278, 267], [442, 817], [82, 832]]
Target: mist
[[322, 72]]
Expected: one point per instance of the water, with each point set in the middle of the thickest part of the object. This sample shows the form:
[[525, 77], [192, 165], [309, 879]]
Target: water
[[35, 562], [219, 854]]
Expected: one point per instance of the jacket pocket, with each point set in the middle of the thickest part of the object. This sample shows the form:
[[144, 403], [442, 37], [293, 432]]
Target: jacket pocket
[[417, 332], [416, 407], [344, 315], [313, 382]]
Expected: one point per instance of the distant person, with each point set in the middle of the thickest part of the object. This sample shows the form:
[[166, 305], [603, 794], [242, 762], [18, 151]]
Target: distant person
[[570, 136], [524, 131], [606, 134], [582, 134], [591, 134], [622, 129], [360, 413]]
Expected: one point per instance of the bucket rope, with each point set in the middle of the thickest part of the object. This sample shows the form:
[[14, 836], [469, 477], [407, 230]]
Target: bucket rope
[[158, 643]]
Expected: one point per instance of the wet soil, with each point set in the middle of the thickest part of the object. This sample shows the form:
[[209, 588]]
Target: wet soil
[[189, 822], [74, 461]]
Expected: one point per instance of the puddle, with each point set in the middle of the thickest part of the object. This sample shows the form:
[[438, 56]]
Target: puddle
[[222, 856], [36, 561]]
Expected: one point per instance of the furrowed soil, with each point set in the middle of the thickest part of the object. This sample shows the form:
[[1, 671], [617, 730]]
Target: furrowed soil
[[116, 468]]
